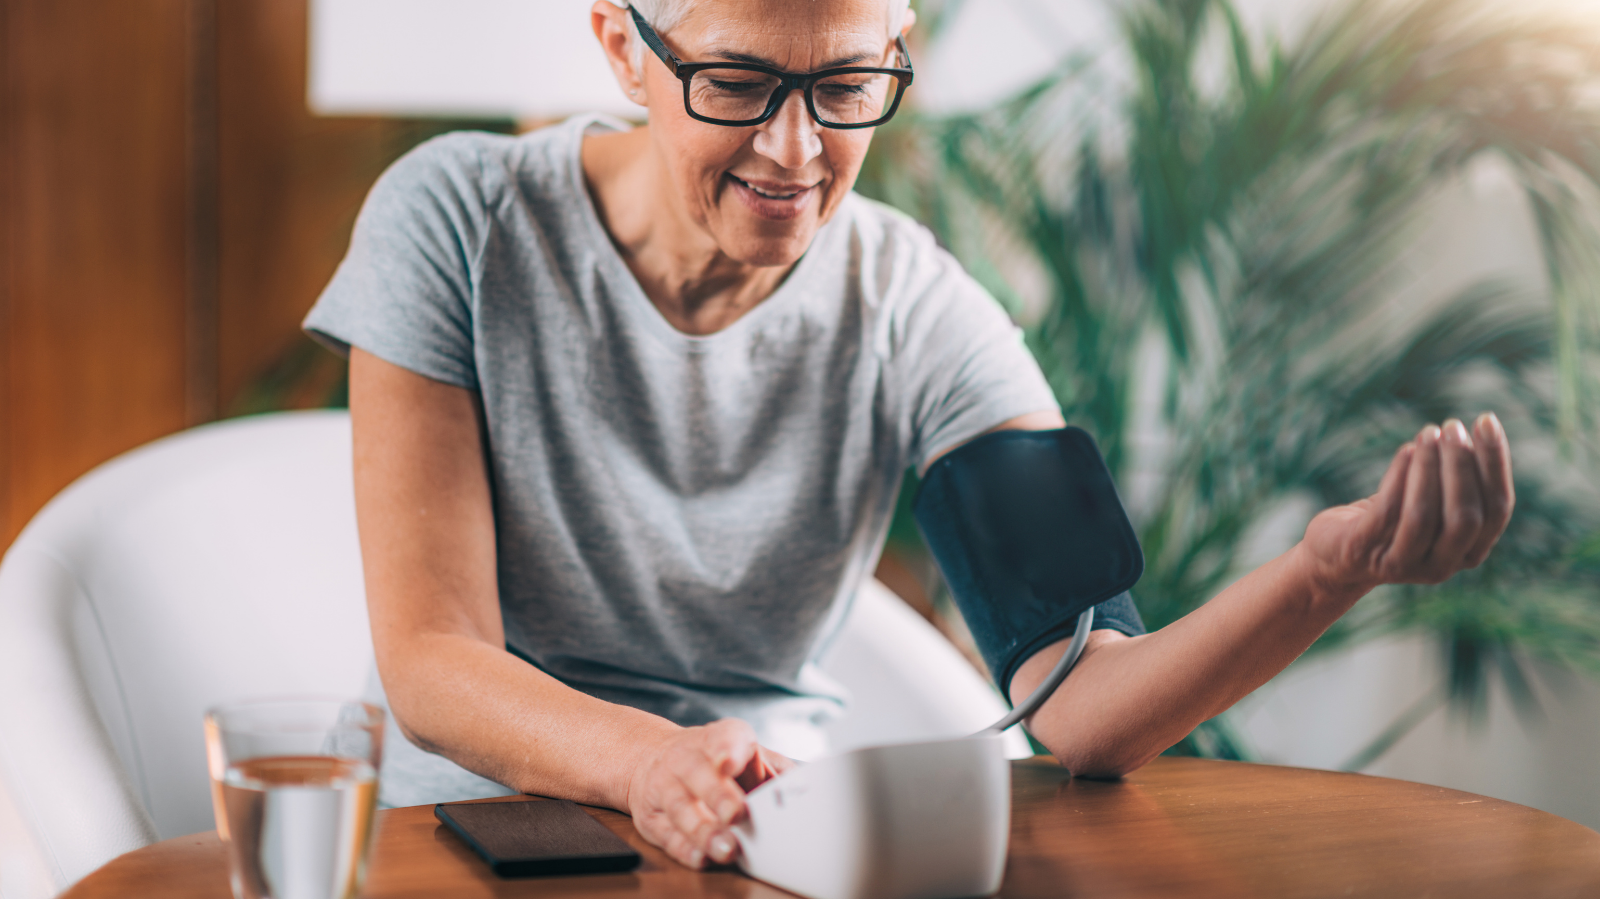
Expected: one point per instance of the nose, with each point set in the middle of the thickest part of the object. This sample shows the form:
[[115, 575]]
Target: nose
[[791, 138]]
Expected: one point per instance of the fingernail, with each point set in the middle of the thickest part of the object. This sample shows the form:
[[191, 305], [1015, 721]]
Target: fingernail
[[1430, 434], [721, 847], [1495, 420], [695, 858], [1459, 432]]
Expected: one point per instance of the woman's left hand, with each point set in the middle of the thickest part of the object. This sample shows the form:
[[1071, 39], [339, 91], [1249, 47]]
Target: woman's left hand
[[1442, 505]]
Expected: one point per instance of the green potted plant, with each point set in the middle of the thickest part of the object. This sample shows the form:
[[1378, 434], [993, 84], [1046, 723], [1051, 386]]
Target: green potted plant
[[1233, 222]]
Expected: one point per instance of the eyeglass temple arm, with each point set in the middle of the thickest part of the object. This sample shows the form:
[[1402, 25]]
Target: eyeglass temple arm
[[905, 53], [653, 40]]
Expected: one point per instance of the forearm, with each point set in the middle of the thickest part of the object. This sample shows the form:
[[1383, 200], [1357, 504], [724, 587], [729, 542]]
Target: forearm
[[506, 720], [428, 546], [1130, 698]]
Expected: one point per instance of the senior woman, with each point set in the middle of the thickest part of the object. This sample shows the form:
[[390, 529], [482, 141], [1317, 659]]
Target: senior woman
[[631, 408]]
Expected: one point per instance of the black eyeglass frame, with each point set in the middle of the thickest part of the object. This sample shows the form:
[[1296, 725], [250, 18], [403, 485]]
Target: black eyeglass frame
[[685, 72]]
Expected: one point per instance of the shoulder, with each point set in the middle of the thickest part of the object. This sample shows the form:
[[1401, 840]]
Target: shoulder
[[886, 234], [453, 159], [907, 276], [462, 182], [437, 187], [466, 167]]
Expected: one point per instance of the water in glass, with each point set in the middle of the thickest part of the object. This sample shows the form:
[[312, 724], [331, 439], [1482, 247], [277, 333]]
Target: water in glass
[[294, 784]]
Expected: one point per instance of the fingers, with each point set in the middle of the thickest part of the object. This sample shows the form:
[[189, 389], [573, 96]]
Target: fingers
[[720, 794], [1387, 503], [1499, 494], [764, 766], [664, 812], [730, 744], [1443, 503], [776, 763], [1462, 512], [779, 763], [714, 798], [679, 822], [690, 795], [694, 823], [1420, 516], [1456, 499]]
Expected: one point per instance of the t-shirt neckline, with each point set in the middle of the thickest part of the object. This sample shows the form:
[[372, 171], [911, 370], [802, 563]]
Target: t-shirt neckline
[[787, 297]]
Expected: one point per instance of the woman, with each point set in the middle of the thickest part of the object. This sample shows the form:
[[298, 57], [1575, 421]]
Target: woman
[[631, 407]]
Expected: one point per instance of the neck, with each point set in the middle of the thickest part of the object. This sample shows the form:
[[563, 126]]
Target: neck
[[697, 288]]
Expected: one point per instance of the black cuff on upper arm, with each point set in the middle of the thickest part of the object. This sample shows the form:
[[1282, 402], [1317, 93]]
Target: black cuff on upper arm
[[1028, 531]]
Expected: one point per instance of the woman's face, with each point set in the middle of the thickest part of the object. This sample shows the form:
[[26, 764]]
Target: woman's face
[[762, 191]]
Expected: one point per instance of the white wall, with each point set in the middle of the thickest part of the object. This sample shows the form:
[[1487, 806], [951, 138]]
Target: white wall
[[538, 59], [528, 59]]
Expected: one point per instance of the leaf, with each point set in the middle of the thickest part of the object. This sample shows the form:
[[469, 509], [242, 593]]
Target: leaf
[[1242, 252]]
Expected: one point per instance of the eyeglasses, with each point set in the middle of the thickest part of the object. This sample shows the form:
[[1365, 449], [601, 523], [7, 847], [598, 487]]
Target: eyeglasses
[[742, 94]]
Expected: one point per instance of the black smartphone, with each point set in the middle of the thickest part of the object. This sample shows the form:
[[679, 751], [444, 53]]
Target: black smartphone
[[537, 837]]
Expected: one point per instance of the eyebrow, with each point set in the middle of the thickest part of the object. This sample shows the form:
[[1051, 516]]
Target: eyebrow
[[731, 56]]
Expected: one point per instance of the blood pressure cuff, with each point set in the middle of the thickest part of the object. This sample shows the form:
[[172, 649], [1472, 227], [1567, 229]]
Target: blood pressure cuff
[[1028, 531]]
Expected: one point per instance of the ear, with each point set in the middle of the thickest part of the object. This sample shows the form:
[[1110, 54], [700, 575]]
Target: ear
[[906, 21], [615, 31]]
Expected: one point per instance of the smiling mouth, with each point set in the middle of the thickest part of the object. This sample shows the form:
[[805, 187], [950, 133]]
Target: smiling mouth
[[771, 195]]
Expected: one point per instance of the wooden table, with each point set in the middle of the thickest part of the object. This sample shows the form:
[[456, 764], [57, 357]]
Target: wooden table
[[1177, 828]]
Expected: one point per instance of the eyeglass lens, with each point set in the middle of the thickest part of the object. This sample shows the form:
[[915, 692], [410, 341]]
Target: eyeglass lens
[[739, 95]]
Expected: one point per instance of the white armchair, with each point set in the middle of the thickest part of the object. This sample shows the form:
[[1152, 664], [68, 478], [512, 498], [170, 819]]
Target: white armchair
[[222, 563]]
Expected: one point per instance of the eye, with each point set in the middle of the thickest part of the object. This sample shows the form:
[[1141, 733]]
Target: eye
[[735, 87], [835, 89]]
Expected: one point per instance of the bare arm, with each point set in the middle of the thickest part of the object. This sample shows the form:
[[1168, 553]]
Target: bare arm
[[428, 549], [1129, 698], [1442, 505]]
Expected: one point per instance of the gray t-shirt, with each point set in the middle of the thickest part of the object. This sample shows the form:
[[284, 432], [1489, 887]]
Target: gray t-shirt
[[681, 520]]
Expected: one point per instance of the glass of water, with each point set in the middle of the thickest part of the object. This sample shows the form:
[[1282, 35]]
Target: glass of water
[[294, 783]]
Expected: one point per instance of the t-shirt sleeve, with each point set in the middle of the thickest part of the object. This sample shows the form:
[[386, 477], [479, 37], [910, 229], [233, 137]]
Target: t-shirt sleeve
[[404, 291], [961, 362]]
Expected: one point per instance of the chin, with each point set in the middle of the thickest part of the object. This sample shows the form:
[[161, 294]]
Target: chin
[[753, 244]]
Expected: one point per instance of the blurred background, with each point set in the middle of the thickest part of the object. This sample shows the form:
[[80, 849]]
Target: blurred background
[[1255, 244]]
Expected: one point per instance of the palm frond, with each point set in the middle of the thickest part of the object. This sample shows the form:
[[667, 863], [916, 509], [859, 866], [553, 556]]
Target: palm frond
[[1257, 235]]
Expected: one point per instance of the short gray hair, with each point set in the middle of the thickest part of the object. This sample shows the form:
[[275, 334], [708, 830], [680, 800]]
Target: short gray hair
[[663, 15]]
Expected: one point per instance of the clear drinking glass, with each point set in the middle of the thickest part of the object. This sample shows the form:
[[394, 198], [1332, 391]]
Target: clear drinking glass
[[293, 784]]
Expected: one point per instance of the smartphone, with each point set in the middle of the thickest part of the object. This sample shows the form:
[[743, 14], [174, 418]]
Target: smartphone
[[537, 838]]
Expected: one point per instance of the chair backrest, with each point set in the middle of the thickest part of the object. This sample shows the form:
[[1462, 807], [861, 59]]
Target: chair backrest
[[222, 563], [212, 565], [906, 681]]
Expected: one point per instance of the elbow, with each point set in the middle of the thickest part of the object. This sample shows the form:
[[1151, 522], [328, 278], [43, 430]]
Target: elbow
[[1109, 767], [412, 736], [1103, 760], [405, 722], [408, 703]]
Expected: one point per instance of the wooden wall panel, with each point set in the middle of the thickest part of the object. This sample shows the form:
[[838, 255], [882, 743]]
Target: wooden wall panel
[[95, 240], [169, 211], [292, 184], [8, 185]]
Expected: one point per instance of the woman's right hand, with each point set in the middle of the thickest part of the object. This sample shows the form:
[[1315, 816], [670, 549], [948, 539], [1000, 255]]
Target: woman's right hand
[[688, 791]]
